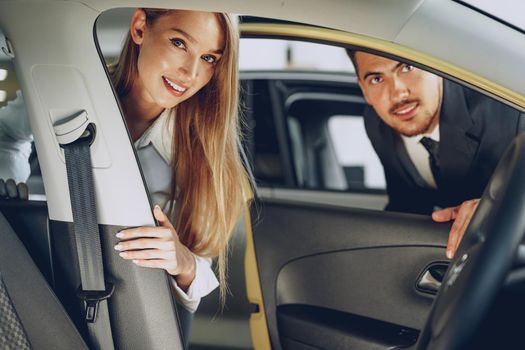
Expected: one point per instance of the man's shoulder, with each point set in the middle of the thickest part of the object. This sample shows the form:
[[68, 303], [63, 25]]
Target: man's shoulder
[[483, 108], [373, 122]]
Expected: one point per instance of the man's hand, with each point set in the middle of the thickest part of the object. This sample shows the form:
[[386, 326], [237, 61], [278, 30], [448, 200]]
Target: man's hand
[[461, 215]]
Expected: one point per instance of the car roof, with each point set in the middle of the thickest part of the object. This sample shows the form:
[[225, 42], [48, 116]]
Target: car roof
[[447, 32]]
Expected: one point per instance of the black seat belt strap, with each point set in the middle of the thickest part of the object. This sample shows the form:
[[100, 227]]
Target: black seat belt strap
[[93, 290]]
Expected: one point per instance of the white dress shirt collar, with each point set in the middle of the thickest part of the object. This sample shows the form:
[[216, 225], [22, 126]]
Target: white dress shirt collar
[[419, 155], [160, 135]]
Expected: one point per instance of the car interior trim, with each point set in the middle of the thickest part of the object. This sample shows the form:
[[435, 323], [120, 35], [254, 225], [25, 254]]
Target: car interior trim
[[258, 325]]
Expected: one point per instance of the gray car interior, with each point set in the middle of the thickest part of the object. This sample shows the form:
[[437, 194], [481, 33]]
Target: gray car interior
[[55, 267], [45, 322]]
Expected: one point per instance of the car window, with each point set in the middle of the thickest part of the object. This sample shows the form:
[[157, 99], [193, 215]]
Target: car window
[[304, 111], [18, 160], [311, 128]]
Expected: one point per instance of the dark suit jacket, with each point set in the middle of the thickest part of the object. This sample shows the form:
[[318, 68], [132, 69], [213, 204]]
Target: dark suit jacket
[[474, 132]]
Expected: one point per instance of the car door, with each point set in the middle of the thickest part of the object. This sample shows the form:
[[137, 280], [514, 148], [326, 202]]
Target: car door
[[327, 268]]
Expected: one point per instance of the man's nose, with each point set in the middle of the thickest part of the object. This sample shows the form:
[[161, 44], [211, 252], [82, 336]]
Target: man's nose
[[399, 90], [189, 70]]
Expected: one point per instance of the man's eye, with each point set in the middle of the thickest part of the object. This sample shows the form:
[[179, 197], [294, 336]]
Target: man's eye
[[408, 68], [178, 43], [375, 80], [209, 58]]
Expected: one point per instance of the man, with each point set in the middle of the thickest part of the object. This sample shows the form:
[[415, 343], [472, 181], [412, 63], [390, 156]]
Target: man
[[438, 142]]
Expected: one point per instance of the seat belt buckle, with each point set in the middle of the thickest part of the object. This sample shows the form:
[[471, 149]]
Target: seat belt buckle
[[74, 128], [92, 298]]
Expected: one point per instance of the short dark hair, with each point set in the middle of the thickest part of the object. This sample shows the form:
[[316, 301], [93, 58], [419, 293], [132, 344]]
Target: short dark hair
[[351, 53]]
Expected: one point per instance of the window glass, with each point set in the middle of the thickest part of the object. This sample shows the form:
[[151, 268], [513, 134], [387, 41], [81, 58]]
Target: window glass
[[296, 94], [275, 54], [355, 153]]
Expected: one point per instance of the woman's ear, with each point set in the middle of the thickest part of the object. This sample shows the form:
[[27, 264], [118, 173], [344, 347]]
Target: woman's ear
[[138, 26]]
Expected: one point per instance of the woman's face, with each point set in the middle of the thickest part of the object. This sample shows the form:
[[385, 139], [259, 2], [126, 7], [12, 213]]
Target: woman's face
[[178, 55]]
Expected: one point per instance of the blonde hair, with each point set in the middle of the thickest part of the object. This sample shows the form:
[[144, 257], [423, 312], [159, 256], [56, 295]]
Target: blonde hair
[[206, 142]]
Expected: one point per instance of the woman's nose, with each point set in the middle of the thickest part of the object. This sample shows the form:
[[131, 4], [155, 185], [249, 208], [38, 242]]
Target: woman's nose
[[189, 70]]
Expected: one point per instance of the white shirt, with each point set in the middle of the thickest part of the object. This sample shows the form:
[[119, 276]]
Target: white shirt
[[419, 155], [154, 152], [15, 141]]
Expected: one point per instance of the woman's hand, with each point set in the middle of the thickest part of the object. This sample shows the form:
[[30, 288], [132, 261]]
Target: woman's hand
[[158, 248]]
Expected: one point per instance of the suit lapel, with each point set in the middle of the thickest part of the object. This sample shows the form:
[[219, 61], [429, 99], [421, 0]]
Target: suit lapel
[[459, 139]]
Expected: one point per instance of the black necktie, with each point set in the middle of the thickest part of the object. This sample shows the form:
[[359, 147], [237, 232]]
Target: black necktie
[[432, 148]]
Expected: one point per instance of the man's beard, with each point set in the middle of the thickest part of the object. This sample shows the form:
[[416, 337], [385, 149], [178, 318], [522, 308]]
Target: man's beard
[[415, 126]]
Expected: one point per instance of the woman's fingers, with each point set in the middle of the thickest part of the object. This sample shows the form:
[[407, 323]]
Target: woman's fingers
[[154, 263], [148, 254], [156, 232], [144, 243], [156, 247], [162, 218]]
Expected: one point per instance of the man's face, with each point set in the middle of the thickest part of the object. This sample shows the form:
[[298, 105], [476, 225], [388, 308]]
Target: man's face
[[406, 98]]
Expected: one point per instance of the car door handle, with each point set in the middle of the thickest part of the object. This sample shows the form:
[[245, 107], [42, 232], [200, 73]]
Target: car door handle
[[430, 279]]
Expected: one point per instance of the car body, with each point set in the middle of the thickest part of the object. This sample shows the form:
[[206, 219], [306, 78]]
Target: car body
[[324, 266]]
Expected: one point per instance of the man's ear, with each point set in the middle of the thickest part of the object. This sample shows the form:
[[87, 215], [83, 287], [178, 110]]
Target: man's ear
[[363, 90], [138, 26]]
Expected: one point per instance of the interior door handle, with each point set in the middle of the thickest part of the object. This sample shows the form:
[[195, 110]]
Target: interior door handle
[[430, 279]]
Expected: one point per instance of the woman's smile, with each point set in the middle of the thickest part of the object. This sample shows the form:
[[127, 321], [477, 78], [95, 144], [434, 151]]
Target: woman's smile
[[176, 89]]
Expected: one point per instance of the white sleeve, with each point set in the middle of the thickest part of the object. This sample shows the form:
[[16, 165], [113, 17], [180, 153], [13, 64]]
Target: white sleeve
[[15, 121], [204, 283], [15, 140]]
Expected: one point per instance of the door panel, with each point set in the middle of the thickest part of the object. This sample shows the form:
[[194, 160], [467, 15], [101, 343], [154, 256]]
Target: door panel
[[383, 278], [329, 329], [136, 289], [322, 262]]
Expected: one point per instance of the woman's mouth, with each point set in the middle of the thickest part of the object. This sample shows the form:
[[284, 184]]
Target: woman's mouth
[[176, 89], [406, 111]]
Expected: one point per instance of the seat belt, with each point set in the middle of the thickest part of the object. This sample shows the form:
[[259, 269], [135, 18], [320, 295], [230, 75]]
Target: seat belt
[[75, 136]]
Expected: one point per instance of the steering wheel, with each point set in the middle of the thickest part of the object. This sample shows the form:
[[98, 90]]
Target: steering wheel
[[483, 259]]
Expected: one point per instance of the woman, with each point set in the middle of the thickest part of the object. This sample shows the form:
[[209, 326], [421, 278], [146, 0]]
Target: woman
[[177, 82]]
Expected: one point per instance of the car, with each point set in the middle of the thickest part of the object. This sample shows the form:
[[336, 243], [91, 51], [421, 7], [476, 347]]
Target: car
[[324, 265]]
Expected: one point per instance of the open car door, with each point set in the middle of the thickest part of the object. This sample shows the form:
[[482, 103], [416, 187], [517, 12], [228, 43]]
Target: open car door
[[325, 270]]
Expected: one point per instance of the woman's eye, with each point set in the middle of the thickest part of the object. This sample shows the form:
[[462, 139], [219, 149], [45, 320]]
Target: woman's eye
[[408, 68], [209, 58], [178, 43]]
